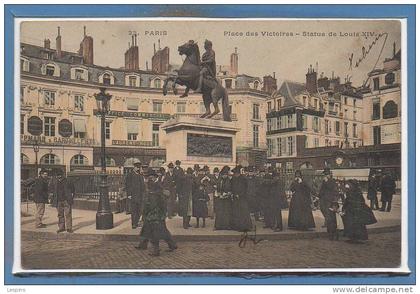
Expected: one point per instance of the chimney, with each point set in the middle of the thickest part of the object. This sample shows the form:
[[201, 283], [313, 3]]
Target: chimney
[[131, 56], [269, 83], [159, 44], [147, 65], [393, 50], [86, 48], [58, 43], [154, 48], [234, 60], [47, 44], [311, 80]]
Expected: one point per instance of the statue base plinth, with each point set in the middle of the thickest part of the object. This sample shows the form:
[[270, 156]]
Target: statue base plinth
[[200, 141]]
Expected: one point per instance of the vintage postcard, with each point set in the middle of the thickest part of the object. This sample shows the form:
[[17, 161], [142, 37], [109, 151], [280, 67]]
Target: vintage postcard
[[211, 145]]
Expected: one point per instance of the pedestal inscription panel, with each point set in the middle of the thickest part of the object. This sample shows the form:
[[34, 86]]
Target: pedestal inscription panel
[[209, 146]]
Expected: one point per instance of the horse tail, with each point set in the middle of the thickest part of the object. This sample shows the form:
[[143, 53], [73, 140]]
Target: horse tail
[[225, 105]]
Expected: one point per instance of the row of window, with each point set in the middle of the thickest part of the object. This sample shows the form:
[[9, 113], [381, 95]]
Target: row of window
[[389, 80], [327, 142], [52, 159], [390, 109], [279, 103], [50, 99], [282, 146], [281, 122], [82, 74], [79, 127]]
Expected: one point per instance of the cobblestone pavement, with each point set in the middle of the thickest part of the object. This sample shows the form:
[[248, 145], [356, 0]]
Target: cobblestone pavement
[[382, 250]]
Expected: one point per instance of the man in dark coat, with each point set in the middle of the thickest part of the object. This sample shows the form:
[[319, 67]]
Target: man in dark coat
[[179, 177], [64, 192], [169, 185], [154, 228], [373, 185], [300, 210], [40, 197], [328, 195], [387, 191], [134, 186], [241, 219], [185, 198]]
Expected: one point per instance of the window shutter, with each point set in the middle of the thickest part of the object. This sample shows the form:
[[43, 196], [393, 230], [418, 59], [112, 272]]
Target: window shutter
[[283, 145], [44, 69], [132, 127], [56, 71]]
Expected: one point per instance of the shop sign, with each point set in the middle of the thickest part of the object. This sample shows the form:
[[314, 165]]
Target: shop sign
[[132, 114], [35, 125], [65, 128], [132, 143], [57, 141]]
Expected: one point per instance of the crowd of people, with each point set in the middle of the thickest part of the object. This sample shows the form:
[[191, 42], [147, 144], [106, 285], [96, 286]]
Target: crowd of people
[[235, 198]]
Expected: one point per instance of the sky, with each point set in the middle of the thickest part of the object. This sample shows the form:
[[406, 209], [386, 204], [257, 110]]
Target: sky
[[330, 43]]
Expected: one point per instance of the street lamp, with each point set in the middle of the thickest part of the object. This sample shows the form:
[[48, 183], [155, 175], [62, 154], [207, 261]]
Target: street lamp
[[36, 150], [104, 217]]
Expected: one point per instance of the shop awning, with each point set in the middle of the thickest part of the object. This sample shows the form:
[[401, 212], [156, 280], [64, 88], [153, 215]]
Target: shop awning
[[79, 126]]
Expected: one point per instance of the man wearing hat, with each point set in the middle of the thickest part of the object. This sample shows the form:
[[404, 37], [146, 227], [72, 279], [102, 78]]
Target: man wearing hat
[[179, 177], [134, 186], [64, 191], [328, 194], [154, 228], [169, 185], [387, 188], [40, 197]]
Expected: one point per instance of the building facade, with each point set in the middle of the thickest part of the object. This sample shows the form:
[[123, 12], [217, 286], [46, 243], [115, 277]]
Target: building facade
[[382, 103], [320, 113], [58, 90]]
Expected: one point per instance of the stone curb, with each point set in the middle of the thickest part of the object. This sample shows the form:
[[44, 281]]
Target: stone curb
[[29, 235]]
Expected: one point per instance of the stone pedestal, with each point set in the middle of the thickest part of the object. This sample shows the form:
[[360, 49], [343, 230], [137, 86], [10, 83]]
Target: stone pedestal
[[200, 141]]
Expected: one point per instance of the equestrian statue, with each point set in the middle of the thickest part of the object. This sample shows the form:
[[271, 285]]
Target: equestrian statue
[[200, 75]]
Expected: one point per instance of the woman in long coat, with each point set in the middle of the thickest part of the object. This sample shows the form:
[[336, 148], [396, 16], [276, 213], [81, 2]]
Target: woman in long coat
[[300, 210], [185, 198], [356, 213], [241, 219], [223, 201]]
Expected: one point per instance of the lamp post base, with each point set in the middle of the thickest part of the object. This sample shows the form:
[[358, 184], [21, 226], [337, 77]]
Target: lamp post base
[[104, 220]]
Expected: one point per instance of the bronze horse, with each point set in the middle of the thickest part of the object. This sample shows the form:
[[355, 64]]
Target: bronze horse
[[189, 74]]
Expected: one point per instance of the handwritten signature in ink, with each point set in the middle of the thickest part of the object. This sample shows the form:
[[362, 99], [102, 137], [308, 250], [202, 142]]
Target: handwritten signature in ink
[[253, 238], [365, 51]]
